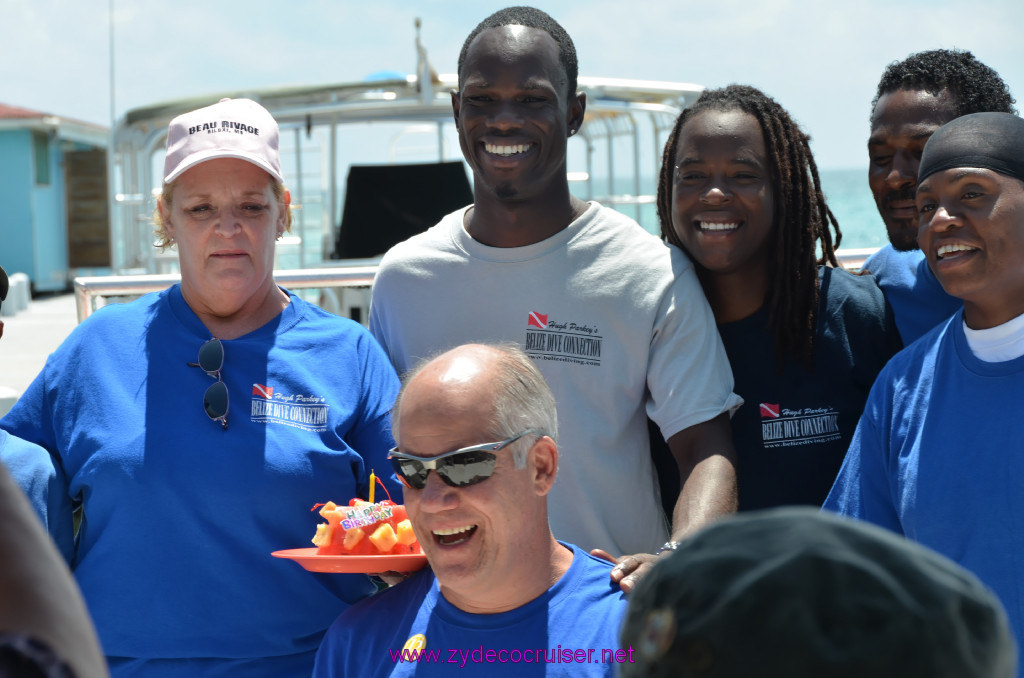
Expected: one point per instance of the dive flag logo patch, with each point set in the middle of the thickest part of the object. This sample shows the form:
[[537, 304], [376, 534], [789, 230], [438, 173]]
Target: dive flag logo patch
[[536, 319], [769, 410], [262, 391]]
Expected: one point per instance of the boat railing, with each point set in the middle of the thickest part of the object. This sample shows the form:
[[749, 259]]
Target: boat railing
[[344, 288], [852, 259]]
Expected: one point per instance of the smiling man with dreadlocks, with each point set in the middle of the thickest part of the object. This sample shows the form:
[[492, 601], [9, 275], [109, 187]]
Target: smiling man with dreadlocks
[[739, 192]]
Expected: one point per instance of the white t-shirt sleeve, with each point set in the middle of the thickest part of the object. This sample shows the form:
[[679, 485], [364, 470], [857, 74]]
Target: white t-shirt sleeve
[[688, 375]]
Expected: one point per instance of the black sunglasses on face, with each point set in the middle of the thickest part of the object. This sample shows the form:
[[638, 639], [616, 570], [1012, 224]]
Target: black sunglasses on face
[[458, 468], [215, 400]]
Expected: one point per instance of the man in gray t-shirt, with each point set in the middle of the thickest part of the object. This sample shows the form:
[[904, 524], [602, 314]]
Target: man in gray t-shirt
[[613, 318]]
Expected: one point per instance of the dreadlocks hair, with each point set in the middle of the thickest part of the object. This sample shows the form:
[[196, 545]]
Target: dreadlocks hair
[[975, 87], [530, 17], [802, 219]]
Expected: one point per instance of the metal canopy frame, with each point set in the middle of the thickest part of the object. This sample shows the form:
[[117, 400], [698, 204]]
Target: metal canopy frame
[[616, 109]]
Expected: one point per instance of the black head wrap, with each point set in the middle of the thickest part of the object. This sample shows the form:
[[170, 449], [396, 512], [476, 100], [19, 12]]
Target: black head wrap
[[993, 141]]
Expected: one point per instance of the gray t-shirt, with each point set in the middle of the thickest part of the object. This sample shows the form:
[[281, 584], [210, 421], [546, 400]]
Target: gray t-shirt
[[617, 323]]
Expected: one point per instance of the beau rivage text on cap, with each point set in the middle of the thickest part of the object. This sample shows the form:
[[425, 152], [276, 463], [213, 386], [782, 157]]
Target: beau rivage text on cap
[[231, 128]]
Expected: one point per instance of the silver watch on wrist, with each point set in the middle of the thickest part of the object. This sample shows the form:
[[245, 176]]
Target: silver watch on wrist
[[667, 546]]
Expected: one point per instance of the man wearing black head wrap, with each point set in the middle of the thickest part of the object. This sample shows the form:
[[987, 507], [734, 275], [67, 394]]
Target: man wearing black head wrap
[[937, 454]]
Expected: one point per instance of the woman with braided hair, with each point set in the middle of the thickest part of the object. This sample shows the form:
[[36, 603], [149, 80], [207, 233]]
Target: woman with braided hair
[[739, 193]]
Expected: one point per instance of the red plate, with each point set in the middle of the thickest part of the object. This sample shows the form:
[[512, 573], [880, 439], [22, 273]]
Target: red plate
[[307, 558]]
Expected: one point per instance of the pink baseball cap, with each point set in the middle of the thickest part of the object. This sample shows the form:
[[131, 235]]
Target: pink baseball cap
[[231, 128]]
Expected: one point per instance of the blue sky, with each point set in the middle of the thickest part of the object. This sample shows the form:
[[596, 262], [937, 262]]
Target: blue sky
[[821, 60]]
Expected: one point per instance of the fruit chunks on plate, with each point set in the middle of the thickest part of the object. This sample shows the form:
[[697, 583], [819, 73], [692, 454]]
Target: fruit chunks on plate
[[365, 529]]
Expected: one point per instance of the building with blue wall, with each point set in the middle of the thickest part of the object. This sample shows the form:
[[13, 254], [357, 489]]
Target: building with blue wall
[[53, 197]]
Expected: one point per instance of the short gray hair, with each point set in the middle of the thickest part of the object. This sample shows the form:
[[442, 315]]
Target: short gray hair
[[522, 400]]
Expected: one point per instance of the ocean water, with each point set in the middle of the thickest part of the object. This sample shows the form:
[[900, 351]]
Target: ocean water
[[851, 202]]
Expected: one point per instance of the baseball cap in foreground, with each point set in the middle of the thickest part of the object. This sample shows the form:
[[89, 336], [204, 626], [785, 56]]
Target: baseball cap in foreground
[[796, 593], [231, 128]]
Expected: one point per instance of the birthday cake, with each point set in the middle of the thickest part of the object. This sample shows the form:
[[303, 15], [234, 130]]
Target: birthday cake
[[365, 529]]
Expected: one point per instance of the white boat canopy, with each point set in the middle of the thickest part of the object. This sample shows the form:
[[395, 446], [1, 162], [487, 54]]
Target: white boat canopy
[[614, 159]]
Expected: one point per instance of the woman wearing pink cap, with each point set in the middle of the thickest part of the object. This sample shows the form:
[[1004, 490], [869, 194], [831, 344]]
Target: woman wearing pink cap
[[194, 428]]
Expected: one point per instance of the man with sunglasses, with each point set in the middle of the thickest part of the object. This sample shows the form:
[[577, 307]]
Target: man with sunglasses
[[615, 320], [501, 596]]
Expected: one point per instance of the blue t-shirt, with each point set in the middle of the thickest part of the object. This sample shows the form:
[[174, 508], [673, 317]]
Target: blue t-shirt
[[938, 457], [793, 429], [570, 630], [915, 294], [180, 516]]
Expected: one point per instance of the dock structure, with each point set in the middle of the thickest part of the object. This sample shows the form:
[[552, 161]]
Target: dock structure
[[54, 196]]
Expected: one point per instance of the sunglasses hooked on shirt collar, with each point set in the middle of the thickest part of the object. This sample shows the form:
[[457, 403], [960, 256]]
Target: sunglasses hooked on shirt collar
[[215, 400], [458, 468]]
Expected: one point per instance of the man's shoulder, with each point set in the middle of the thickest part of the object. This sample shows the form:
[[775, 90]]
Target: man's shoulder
[[590, 581], [917, 360], [887, 263], [612, 216], [606, 224], [615, 247], [847, 290], [590, 565], [878, 257]]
